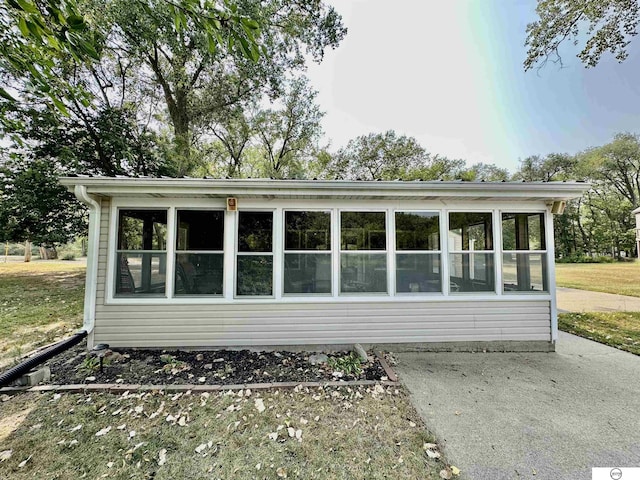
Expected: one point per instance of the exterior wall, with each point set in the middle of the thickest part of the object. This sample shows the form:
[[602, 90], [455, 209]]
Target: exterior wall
[[232, 322]]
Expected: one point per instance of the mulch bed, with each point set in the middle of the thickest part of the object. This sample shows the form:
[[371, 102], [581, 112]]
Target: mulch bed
[[220, 367]]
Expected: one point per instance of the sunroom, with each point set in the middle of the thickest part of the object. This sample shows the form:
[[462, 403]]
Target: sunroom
[[268, 263]]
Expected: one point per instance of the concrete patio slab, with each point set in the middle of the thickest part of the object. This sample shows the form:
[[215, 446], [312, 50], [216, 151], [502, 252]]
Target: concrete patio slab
[[530, 415], [574, 300]]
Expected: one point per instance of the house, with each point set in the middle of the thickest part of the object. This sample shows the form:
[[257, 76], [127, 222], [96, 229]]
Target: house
[[282, 263]]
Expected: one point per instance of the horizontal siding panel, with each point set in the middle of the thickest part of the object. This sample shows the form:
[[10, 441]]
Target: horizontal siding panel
[[386, 308], [328, 329], [321, 323], [145, 341]]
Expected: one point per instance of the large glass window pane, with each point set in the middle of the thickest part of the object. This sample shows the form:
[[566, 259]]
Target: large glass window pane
[[524, 272], [307, 231], [363, 231], [140, 273], [255, 275], [523, 231], [200, 230], [142, 230], [363, 273], [255, 231], [141, 254], [417, 231], [470, 231], [471, 272], [307, 273], [199, 274], [418, 272]]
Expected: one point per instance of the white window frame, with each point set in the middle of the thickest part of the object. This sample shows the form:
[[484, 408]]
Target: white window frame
[[275, 290], [330, 252], [544, 253], [114, 259], [335, 206], [438, 252], [494, 251], [386, 252], [202, 252]]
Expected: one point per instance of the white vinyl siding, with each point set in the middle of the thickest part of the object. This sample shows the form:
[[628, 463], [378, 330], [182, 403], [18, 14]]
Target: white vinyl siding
[[220, 322], [321, 323]]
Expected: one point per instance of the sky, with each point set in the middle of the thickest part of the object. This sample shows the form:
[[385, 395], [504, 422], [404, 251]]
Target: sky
[[449, 73]]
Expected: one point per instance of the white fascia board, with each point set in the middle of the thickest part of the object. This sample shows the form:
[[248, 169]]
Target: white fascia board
[[552, 191]]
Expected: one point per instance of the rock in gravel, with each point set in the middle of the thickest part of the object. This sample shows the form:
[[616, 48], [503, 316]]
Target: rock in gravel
[[199, 357], [318, 358], [208, 366]]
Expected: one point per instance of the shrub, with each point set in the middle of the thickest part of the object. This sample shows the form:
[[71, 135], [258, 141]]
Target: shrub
[[350, 364], [585, 259]]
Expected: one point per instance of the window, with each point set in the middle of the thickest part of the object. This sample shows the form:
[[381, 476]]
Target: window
[[418, 266], [307, 256], [199, 252], [254, 262], [363, 258], [471, 264], [524, 258], [141, 253]]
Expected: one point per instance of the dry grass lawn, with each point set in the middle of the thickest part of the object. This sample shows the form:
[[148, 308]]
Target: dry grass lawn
[[617, 329], [318, 433], [620, 278], [40, 302]]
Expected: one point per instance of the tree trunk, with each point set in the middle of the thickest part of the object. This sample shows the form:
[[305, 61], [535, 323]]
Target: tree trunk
[[27, 251]]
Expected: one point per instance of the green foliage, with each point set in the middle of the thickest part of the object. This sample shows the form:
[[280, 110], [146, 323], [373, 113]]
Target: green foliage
[[576, 258], [89, 365], [605, 26], [389, 156], [172, 365], [349, 364], [34, 206]]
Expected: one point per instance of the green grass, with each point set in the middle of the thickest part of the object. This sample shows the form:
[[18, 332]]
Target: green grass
[[346, 433], [617, 329], [40, 302], [620, 278]]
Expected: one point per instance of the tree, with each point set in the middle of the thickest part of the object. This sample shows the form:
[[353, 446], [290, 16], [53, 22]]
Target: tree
[[286, 136], [603, 25], [34, 207], [485, 172], [36, 35]]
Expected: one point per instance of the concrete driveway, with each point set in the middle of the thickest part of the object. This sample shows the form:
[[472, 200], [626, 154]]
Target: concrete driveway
[[574, 300], [530, 415]]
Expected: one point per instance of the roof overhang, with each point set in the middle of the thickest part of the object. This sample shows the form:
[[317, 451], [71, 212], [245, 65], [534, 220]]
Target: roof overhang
[[324, 189]]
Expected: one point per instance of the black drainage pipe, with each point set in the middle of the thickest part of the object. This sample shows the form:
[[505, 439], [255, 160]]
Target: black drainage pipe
[[16, 372]]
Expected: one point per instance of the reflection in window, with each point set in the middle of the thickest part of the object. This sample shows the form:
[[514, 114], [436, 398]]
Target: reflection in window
[[523, 270], [254, 263], [255, 275], [199, 252], [417, 231], [363, 273], [363, 231], [255, 231], [307, 273], [307, 258], [307, 231], [470, 235], [418, 271], [141, 253]]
